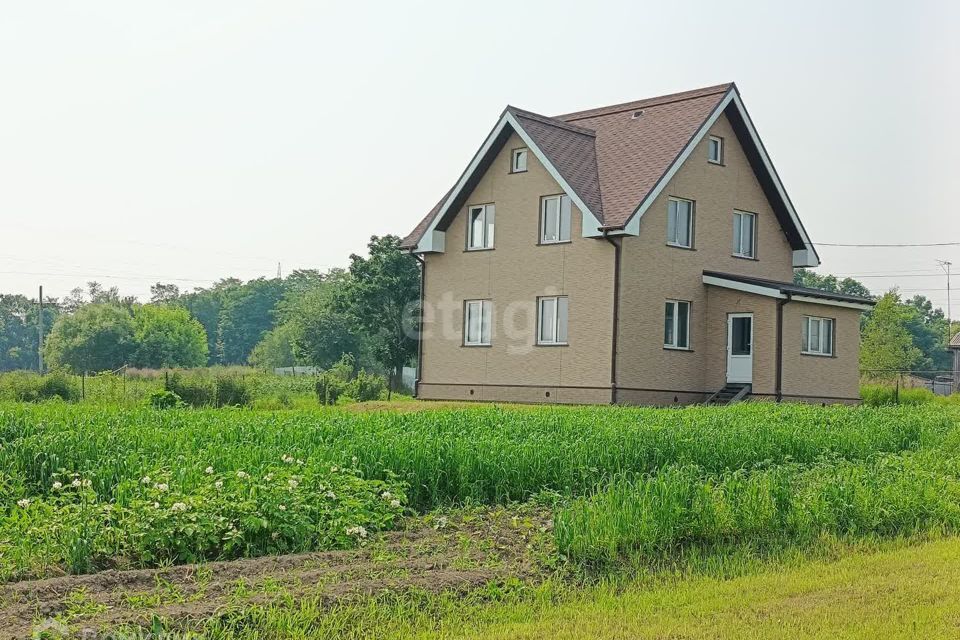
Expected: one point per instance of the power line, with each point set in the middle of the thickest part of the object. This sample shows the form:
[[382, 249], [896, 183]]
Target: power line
[[887, 246]]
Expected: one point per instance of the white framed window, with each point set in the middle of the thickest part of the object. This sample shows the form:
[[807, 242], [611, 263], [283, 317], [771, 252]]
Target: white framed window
[[744, 234], [715, 150], [552, 320], [480, 220], [554, 219], [817, 336], [676, 325], [680, 223], [518, 161], [477, 322]]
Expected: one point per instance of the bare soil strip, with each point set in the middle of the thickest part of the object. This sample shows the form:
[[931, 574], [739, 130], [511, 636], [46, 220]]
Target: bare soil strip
[[462, 553]]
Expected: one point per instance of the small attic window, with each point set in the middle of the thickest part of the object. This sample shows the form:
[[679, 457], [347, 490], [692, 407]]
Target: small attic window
[[715, 150], [637, 114], [518, 162]]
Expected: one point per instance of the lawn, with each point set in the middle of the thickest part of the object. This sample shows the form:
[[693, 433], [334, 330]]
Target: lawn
[[909, 592]]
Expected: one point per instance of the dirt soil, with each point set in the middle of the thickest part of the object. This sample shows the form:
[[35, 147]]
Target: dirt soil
[[460, 552]]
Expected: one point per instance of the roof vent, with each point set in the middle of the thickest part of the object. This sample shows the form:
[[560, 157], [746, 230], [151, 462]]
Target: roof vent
[[637, 114]]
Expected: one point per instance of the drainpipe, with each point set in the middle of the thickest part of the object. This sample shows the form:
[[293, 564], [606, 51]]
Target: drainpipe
[[617, 245], [780, 305], [423, 284]]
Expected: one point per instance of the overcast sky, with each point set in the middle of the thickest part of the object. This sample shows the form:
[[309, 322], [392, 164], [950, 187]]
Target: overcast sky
[[189, 141]]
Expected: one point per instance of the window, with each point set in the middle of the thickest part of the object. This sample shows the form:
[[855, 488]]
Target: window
[[518, 162], [715, 150], [817, 336], [480, 227], [477, 322], [552, 322], [676, 325], [744, 234], [555, 219], [680, 223]]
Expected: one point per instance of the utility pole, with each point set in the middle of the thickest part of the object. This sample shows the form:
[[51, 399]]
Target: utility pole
[[945, 265], [40, 334], [279, 274]]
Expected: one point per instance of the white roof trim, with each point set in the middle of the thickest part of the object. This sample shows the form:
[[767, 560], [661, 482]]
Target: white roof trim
[[770, 292], [590, 220], [774, 292], [831, 303], [810, 257]]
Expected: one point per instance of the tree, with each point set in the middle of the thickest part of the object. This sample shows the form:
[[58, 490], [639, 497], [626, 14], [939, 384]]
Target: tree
[[276, 349], [382, 297], [18, 330], [161, 293], [886, 343], [204, 305], [928, 328], [167, 337], [245, 316], [98, 337], [848, 286]]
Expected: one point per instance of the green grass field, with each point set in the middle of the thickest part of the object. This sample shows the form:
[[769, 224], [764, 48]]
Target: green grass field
[[632, 493]]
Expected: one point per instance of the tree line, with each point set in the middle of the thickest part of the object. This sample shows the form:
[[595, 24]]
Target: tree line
[[307, 318], [313, 318]]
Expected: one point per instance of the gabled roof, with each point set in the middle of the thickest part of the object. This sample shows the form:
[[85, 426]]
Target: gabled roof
[[955, 342], [777, 289], [614, 161]]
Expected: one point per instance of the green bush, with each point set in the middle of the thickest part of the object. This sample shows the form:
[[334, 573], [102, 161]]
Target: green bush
[[329, 388], [231, 391], [163, 399], [365, 387], [24, 386], [194, 390]]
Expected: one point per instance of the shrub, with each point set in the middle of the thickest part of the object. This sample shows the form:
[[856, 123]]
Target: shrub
[[329, 387], [196, 391], [231, 391], [365, 387], [56, 385], [29, 387], [163, 399]]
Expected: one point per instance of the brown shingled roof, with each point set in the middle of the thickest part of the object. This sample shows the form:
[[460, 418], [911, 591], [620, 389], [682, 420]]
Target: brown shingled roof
[[955, 342], [633, 153], [609, 158]]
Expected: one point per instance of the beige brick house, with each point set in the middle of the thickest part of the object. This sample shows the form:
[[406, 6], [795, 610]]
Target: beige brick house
[[637, 253]]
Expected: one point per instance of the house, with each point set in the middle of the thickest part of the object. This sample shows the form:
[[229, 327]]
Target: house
[[637, 253]]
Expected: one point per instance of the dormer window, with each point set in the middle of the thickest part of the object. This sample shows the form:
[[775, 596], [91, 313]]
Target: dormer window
[[518, 163], [715, 150]]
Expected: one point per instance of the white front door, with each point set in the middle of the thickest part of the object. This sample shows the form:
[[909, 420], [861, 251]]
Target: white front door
[[740, 347]]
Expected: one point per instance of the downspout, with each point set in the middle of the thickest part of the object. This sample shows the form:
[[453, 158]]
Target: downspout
[[423, 284], [779, 384], [616, 314]]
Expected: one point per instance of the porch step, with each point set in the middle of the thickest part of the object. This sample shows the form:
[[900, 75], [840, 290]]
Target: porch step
[[731, 394]]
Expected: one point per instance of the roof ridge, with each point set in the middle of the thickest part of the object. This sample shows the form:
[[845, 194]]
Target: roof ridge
[[646, 102], [551, 121]]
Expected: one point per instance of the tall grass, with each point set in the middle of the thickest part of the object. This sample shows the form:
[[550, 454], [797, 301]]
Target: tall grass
[[655, 517], [486, 455]]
